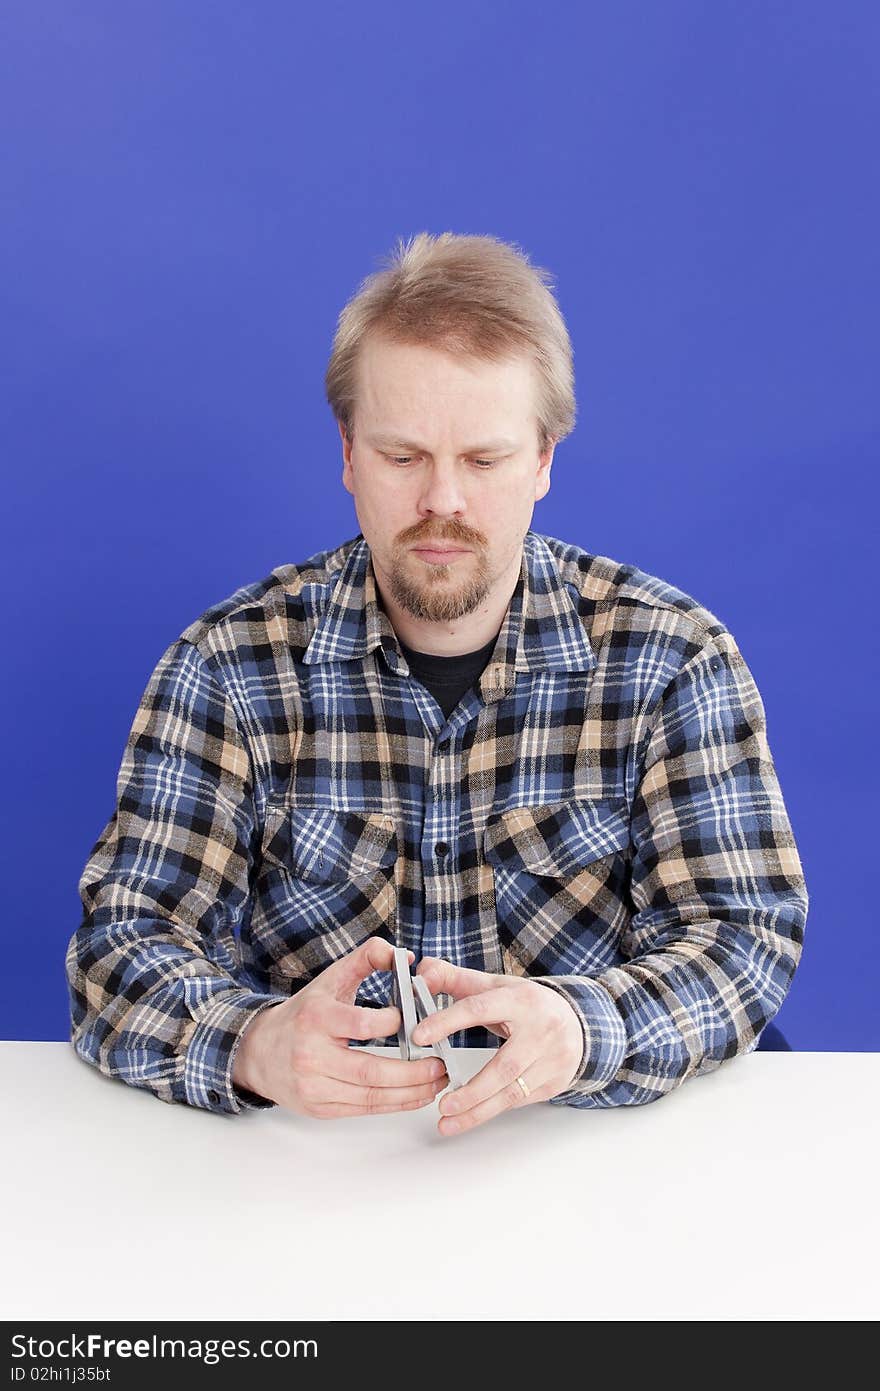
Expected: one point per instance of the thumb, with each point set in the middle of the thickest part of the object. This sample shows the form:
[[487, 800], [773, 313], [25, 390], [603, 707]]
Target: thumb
[[441, 977], [343, 977]]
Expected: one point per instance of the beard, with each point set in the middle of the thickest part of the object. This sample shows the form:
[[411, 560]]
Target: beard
[[435, 597]]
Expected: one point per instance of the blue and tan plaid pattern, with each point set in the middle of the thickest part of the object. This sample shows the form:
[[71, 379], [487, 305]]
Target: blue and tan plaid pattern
[[600, 813]]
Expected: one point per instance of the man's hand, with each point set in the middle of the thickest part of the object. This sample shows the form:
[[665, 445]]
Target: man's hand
[[545, 1040], [297, 1053]]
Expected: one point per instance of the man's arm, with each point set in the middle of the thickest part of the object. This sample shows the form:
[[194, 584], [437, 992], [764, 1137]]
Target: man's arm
[[720, 907], [719, 893], [151, 970]]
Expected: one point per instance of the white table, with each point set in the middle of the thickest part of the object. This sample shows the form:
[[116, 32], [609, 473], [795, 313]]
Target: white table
[[751, 1193]]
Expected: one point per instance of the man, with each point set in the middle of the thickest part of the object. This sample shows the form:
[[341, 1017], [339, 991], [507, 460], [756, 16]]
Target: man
[[544, 773]]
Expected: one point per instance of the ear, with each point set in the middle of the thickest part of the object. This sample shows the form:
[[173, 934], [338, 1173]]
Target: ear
[[542, 477], [347, 475]]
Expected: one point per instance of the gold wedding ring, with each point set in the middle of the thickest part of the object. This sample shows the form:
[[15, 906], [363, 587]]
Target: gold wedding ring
[[525, 1090]]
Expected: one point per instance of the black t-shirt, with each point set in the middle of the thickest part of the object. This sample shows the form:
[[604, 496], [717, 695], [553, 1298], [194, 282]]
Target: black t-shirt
[[447, 678]]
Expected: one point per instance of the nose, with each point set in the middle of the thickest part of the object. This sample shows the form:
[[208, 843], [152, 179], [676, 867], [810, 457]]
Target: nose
[[442, 494]]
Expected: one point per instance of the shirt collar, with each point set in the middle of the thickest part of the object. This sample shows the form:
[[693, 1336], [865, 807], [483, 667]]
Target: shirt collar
[[542, 628]]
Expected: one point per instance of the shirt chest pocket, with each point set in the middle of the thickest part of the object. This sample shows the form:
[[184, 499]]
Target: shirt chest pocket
[[326, 882], [320, 845], [559, 878]]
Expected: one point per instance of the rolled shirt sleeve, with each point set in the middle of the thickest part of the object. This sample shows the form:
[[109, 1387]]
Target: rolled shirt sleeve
[[152, 968], [718, 896]]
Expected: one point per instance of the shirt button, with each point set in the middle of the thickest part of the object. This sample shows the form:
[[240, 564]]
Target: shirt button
[[214, 1097], [441, 848]]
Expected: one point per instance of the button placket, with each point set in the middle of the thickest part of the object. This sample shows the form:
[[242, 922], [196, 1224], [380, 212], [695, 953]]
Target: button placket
[[439, 833]]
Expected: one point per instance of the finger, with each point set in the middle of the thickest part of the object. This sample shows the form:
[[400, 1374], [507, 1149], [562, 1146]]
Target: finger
[[364, 1069], [441, 977], [336, 1110], [494, 1089], [328, 1091], [501, 1005], [342, 977], [508, 1099], [359, 1021]]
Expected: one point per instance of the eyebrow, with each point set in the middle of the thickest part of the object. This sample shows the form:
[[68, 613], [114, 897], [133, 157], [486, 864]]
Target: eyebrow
[[391, 442]]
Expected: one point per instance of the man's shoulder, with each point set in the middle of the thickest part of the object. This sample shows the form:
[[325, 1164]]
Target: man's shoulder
[[295, 594], [614, 593]]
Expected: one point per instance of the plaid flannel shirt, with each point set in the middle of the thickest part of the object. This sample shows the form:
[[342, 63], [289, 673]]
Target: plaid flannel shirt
[[600, 813]]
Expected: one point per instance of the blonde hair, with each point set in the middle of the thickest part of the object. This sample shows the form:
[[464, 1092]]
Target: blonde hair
[[473, 295]]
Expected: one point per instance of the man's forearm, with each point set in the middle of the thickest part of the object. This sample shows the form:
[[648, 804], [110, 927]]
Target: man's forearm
[[682, 1011], [148, 1011]]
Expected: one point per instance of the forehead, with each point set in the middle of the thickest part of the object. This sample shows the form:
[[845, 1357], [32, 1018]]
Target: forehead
[[417, 386]]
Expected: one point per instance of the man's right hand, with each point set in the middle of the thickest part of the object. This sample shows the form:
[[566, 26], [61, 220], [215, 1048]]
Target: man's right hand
[[297, 1053]]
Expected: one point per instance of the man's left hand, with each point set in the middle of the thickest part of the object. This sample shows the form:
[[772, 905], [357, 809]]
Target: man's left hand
[[544, 1045]]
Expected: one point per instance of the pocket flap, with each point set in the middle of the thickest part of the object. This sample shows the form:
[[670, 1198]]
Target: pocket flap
[[321, 845], [557, 839]]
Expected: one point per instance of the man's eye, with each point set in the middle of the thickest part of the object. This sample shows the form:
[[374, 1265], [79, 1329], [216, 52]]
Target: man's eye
[[408, 458]]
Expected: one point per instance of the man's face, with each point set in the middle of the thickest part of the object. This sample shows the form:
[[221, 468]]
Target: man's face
[[445, 452]]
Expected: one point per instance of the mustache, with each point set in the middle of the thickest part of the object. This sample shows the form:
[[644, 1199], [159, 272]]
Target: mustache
[[450, 537]]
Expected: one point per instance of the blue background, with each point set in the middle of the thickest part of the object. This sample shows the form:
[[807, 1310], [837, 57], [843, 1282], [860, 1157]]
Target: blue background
[[191, 191]]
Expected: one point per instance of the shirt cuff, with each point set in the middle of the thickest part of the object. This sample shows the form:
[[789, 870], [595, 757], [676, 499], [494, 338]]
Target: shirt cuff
[[211, 1053], [604, 1034]]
